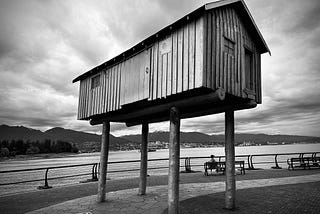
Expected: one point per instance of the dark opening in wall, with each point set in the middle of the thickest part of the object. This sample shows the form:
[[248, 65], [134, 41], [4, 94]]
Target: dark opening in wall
[[229, 46], [95, 81], [249, 78]]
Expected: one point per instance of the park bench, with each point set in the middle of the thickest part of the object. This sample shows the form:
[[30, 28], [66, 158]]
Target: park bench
[[303, 162], [220, 166]]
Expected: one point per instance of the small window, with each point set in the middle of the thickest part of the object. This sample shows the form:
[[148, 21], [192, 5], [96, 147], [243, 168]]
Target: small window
[[95, 81], [249, 69], [229, 46]]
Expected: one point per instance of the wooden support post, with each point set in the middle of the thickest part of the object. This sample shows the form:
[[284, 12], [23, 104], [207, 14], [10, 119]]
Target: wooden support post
[[230, 194], [144, 159], [103, 161], [174, 162]]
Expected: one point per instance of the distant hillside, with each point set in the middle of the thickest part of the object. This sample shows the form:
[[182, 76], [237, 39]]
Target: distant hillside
[[84, 141], [264, 138], [197, 137], [78, 137], [91, 142], [20, 133], [185, 137]]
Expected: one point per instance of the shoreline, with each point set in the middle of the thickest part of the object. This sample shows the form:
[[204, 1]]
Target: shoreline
[[89, 154]]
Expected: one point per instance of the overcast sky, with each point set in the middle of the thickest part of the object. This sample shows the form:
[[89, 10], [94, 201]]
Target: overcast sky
[[46, 44]]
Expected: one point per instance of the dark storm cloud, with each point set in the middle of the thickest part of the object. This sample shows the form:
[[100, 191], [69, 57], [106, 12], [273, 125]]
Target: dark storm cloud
[[38, 62]]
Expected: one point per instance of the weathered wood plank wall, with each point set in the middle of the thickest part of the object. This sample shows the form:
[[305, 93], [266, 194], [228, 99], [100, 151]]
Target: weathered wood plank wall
[[223, 69], [103, 98], [177, 61], [206, 52], [135, 74], [172, 65]]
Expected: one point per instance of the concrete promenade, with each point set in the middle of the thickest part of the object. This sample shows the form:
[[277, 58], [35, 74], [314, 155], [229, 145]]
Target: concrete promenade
[[259, 191]]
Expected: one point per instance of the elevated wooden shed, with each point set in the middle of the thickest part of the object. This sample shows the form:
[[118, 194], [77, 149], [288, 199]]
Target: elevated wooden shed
[[214, 49], [206, 62]]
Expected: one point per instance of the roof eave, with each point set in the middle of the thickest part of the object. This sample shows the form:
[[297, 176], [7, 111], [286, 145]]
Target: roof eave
[[213, 5]]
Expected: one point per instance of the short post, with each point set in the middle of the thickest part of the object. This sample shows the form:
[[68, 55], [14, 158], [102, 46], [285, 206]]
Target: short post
[[103, 161], [46, 185], [94, 173], [144, 159], [249, 165], [230, 194], [276, 163], [251, 162], [174, 162]]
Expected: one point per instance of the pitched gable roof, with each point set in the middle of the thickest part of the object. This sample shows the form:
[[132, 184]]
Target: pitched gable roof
[[242, 8]]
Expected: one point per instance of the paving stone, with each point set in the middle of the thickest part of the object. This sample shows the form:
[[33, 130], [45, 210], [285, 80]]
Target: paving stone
[[155, 201]]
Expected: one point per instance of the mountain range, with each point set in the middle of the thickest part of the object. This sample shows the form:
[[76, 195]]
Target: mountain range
[[83, 139], [24, 133], [197, 137]]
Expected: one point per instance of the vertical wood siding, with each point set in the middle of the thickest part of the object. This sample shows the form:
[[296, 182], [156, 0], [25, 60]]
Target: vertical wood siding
[[135, 75], [121, 84], [223, 69], [189, 57], [177, 61], [98, 100]]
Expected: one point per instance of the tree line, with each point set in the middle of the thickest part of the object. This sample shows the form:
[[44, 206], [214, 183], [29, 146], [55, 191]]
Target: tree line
[[20, 147]]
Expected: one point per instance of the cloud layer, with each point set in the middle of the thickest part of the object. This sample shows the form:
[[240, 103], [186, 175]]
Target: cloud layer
[[45, 44]]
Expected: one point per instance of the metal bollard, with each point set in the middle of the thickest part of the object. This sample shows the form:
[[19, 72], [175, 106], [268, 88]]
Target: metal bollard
[[276, 163], [46, 185]]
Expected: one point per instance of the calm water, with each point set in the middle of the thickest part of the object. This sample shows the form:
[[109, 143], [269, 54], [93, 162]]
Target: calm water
[[163, 153], [197, 164]]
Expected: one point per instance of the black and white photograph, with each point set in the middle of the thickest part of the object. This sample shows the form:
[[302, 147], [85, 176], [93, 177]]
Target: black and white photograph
[[159, 106]]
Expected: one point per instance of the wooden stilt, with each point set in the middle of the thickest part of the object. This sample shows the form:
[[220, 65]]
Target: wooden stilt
[[174, 162], [230, 194], [144, 159], [103, 161]]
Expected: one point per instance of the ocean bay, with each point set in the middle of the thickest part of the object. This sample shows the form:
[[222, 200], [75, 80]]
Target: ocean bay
[[85, 158]]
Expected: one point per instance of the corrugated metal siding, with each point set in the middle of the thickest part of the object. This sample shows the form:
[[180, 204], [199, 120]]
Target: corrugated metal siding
[[177, 61], [223, 69]]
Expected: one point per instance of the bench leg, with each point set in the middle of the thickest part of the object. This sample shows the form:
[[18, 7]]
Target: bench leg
[[292, 168], [242, 171]]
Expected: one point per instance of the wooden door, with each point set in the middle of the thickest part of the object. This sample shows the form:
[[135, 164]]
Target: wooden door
[[135, 78]]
